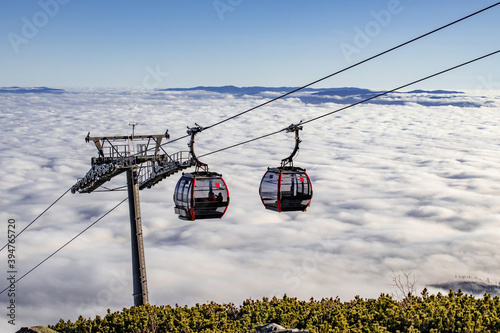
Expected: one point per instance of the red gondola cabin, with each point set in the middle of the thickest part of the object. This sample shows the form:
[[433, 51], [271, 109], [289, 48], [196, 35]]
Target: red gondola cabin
[[201, 195], [285, 189]]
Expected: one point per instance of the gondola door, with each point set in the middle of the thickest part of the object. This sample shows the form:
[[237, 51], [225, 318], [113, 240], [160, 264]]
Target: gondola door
[[182, 198]]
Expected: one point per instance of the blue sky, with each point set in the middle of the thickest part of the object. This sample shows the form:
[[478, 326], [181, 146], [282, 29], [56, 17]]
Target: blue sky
[[163, 44]]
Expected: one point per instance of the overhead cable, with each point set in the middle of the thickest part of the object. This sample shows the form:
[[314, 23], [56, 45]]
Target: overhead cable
[[357, 103], [305, 122], [46, 209], [340, 71], [66, 244], [354, 65]]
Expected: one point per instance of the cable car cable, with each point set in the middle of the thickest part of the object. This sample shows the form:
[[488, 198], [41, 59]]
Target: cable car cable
[[357, 103], [342, 70], [67, 243], [46, 209], [404, 86], [248, 141], [354, 65], [242, 143], [308, 121]]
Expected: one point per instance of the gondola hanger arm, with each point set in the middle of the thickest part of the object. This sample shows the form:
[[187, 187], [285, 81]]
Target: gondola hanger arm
[[292, 128], [192, 131]]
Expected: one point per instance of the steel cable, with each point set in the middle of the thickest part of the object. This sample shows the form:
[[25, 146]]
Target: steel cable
[[66, 244], [357, 103], [46, 209]]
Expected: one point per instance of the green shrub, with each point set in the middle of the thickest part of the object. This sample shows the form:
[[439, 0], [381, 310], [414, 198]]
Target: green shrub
[[455, 312]]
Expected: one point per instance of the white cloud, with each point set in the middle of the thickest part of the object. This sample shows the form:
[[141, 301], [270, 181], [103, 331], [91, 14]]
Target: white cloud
[[396, 187]]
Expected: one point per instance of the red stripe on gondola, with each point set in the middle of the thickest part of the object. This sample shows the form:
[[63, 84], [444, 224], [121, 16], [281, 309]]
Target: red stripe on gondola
[[311, 189], [227, 191], [260, 188], [191, 200], [278, 199]]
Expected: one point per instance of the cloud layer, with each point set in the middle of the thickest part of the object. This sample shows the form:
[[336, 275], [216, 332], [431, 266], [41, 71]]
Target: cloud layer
[[396, 187]]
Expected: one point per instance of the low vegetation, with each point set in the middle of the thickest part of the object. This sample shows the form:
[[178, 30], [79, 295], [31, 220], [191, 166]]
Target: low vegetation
[[455, 312]]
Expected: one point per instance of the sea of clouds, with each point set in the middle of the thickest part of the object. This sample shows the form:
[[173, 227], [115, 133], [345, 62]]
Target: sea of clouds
[[400, 187]]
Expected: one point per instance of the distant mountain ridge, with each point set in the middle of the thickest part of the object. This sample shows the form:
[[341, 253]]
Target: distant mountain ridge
[[343, 95], [346, 95], [473, 286], [36, 90], [255, 90], [343, 91]]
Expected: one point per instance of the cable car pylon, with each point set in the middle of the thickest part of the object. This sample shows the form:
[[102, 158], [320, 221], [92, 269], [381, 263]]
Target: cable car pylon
[[146, 163], [140, 284]]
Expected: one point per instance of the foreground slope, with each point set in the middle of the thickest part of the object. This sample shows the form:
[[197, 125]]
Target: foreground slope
[[455, 312]]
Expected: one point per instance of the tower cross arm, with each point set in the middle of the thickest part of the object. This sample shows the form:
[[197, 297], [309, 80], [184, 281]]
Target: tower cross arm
[[101, 141]]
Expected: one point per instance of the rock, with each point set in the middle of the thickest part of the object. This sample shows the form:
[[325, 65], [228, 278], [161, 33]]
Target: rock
[[36, 329], [276, 328]]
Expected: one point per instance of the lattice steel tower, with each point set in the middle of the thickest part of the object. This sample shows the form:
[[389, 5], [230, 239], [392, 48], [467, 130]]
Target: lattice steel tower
[[146, 163]]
